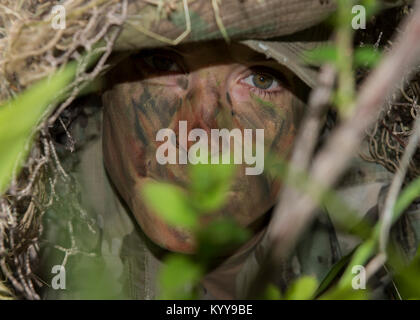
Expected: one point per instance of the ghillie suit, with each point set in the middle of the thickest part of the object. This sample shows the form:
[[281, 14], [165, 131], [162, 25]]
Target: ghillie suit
[[388, 138], [30, 49]]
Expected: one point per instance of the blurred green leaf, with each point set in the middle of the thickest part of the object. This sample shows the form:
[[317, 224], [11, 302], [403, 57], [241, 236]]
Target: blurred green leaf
[[360, 257], [20, 116], [366, 57], [372, 7], [209, 185], [321, 55], [302, 289], [94, 86], [171, 203], [407, 278], [219, 237], [178, 277], [272, 292], [345, 293], [333, 274], [406, 197]]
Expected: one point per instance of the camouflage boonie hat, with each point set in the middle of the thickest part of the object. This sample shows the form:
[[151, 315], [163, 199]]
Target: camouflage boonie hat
[[281, 29], [288, 24], [291, 51]]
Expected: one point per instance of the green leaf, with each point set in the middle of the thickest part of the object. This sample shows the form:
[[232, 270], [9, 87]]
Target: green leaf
[[407, 278], [170, 203], [220, 237], [366, 57], [272, 292], [360, 257], [345, 293], [371, 6], [209, 185], [302, 289], [321, 55], [178, 277], [333, 273], [19, 118], [407, 196]]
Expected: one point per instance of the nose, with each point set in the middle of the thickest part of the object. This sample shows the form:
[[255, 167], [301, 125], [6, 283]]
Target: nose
[[202, 103], [204, 100]]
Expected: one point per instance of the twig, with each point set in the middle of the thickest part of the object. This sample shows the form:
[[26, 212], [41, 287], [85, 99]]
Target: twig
[[312, 124], [304, 147], [291, 219], [164, 39], [387, 215], [219, 21]]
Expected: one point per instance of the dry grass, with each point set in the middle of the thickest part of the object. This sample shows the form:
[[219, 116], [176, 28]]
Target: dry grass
[[388, 138], [31, 49]]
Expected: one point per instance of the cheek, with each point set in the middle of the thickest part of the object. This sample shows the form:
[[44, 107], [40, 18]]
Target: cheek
[[134, 112], [275, 113], [125, 139], [140, 111], [154, 108], [114, 151]]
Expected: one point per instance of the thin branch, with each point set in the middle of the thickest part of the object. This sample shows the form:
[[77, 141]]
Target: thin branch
[[293, 215], [304, 147], [397, 181], [333, 159], [312, 123]]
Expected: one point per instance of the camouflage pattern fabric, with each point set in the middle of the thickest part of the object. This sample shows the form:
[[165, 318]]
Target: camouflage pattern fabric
[[146, 27], [149, 25]]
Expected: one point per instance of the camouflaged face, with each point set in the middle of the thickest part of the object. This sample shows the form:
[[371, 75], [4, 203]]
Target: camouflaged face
[[209, 93]]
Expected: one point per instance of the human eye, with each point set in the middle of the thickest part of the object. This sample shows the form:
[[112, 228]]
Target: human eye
[[161, 61], [261, 81], [265, 81]]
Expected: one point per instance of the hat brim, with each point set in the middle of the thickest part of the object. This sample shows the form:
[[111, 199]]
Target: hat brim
[[240, 20], [287, 55], [291, 51]]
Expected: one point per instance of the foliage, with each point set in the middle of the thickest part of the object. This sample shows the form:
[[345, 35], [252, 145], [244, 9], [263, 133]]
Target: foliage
[[207, 192], [19, 118], [209, 184]]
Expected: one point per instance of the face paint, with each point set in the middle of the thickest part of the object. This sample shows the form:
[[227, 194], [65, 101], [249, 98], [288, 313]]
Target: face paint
[[228, 99], [213, 91]]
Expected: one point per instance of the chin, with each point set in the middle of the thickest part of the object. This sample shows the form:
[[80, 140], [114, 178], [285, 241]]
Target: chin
[[249, 198], [182, 240], [173, 239], [165, 236]]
